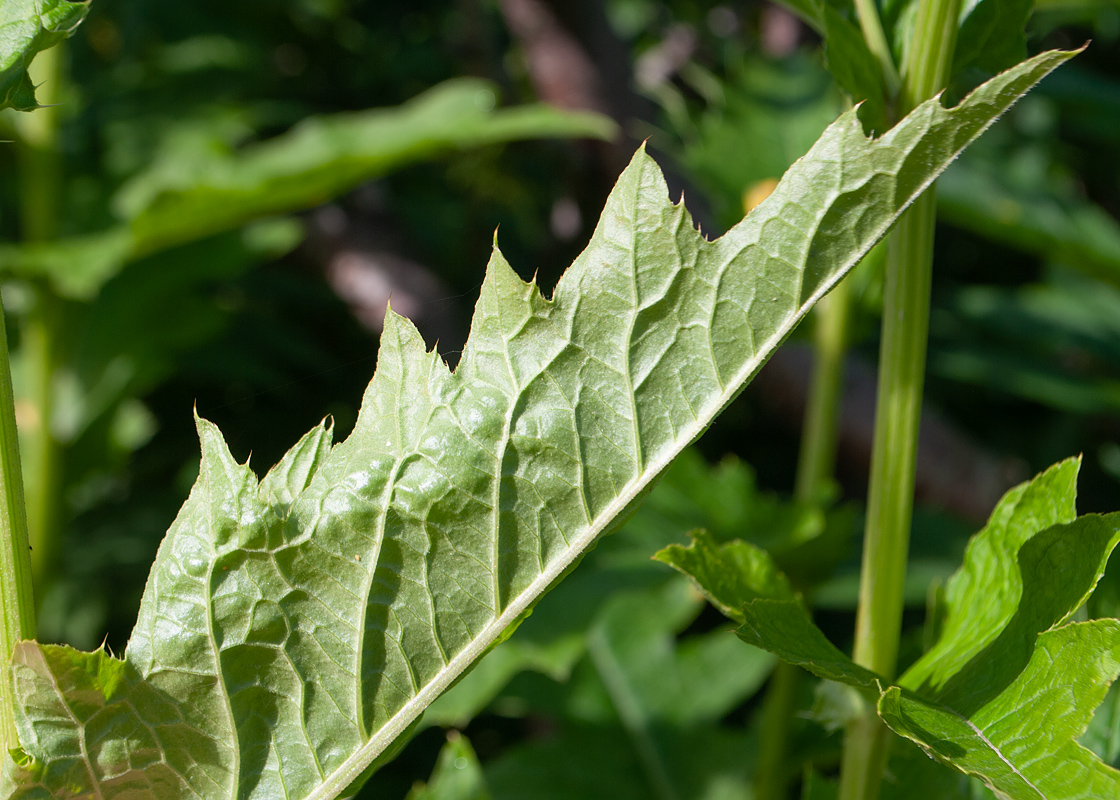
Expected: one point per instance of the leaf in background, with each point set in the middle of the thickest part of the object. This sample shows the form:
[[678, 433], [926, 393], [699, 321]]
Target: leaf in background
[[854, 67], [281, 649], [988, 591], [652, 677], [457, 776], [28, 27], [1053, 342], [973, 196], [180, 201], [1103, 733], [992, 35], [811, 11], [847, 56], [1022, 743], [741, 581], [1008, 687], [707, 763]]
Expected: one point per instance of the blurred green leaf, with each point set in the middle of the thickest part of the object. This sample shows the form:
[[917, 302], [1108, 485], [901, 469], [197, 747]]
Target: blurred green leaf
[[652, 677], [181, 200], [457, 776], [707, 763], [855, 69], [992, 35], [976, 195], [780, 108], [26, 28], [1055, 342]]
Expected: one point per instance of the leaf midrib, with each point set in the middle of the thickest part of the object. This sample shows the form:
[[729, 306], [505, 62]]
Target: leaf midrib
[[352, 767]]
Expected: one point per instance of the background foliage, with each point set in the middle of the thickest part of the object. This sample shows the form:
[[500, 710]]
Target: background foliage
[[268, 328]]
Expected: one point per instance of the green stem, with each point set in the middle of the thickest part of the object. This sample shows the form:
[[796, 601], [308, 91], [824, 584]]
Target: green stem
[[631, 714], [902, 358], [815, 467], [17, 599], [816, 461], [41, 333], [40, 200], [771, 778]]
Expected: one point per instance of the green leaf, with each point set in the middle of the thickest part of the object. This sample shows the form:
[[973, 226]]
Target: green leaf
[[741, 581], [992, 35], [28, 27], [280, 651], [1004, 594], [729, 575], [182, 200], [973, 196], [457, 776], [1009, 686], [854, 67], [1022, 743]]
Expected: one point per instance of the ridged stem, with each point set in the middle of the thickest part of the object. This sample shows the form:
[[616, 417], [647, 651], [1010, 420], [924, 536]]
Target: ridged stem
[[902, 358], [40, 199]]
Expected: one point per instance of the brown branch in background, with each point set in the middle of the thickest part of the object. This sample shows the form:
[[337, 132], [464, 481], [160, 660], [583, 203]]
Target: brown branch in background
[[954, 472], [368, 272], [780, 30], [561, 71]]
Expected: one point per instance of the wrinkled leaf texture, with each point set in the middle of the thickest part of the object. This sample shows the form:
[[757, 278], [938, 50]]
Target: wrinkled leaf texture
[[293, 628], [28, 27]]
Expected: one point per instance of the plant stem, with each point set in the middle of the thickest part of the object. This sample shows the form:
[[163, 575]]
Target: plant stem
[[902, 358], [41, 333], [40, 195], [17, 599], [815, 466], [816, 461], [771, 773], [631, 714]]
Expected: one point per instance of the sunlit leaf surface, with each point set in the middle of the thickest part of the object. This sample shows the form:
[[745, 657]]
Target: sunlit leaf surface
[[293, 628]]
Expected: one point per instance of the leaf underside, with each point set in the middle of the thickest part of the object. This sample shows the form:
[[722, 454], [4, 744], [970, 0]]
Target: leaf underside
[[293, 628]]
